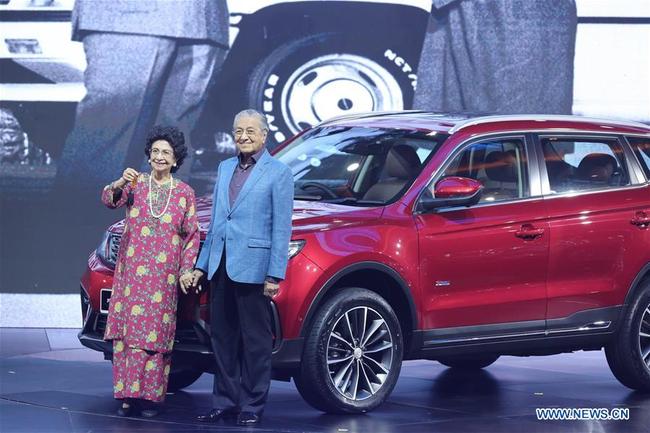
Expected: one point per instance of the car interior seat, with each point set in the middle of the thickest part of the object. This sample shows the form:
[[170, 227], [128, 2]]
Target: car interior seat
[[501, 172], [599, 169], [402, 164]]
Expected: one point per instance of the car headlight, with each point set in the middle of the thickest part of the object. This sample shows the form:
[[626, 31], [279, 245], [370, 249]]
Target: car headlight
[[295, 247], [108, 248]]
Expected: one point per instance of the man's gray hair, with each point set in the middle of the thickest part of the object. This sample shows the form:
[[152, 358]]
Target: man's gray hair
[[249, 112]]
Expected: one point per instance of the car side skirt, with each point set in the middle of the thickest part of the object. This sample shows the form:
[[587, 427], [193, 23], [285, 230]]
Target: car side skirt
[[586, 330]]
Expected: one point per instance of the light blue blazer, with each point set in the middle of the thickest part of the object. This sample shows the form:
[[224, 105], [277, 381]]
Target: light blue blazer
[[255, 232]]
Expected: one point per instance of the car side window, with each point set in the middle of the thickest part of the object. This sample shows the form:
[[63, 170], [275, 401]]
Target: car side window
[[583, 164], [641, 146], [500, 166]]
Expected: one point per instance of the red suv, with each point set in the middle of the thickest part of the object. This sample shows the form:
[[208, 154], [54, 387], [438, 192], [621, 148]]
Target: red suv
[[452, 238]]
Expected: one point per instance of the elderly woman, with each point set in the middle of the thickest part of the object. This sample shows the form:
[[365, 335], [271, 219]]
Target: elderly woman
[[158, 250]]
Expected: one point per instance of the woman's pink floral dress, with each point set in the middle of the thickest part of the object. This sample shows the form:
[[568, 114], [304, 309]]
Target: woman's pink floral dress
[[154, 253]]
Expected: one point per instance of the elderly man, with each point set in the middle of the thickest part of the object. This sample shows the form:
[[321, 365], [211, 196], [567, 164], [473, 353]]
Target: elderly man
[[244, 257]]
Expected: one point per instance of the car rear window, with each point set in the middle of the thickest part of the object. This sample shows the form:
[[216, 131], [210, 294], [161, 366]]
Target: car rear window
[[578, 164]]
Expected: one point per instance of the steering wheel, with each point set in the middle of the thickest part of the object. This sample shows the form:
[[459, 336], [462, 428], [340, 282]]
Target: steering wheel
[[326, 189]]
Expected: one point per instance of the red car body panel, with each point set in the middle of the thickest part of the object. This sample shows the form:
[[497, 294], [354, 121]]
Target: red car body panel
[[595, 251], [512, 287]]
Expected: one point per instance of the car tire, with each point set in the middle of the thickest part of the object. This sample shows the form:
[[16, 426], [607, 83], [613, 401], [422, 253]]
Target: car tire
[[628, 353], [352, 355], [290, 85], [469, 362], [179, 379]]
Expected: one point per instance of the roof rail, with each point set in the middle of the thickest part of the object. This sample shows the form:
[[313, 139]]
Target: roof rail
[[541, 117], [367, 114]]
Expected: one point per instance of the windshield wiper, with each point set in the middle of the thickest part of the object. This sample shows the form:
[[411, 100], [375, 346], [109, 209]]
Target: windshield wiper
[[353, 200], [307, 197]]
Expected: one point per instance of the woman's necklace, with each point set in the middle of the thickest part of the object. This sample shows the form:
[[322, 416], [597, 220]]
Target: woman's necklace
[[169, 197]]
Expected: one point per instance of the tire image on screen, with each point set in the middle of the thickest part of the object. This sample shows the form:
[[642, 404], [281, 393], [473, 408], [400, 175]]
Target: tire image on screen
[[308, 80]]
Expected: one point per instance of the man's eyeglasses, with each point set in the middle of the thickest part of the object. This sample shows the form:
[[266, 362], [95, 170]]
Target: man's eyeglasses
[[250, 132]]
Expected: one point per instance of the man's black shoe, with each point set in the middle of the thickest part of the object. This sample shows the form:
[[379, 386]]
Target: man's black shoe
[[248, 418], [216, 414]]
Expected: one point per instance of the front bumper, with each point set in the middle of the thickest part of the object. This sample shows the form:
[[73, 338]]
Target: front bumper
[[191, 342]]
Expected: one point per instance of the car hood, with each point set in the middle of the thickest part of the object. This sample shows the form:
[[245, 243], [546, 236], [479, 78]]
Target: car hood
[[307, 215]]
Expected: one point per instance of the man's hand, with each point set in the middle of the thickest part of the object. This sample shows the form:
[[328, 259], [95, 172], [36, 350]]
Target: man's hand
[[271, 289], [197, 274], [186, 281]]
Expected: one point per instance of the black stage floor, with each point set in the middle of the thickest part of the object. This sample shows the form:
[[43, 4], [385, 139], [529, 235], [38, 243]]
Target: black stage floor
[[49, 384]]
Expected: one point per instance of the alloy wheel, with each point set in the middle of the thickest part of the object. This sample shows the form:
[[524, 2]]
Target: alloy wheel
[[644, 337], [359, 353]]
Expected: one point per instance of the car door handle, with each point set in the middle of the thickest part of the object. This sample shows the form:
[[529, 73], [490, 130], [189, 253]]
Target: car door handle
[[528, 232], [641, 220]]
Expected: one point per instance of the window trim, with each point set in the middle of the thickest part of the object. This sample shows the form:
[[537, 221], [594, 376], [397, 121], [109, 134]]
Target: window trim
[[537, 168], [627, 154], [638, 164], [596, 191]]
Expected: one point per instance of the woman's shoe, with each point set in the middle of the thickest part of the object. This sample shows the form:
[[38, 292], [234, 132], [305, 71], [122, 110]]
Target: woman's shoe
[[125, 409], [150, 410], [150, 413]]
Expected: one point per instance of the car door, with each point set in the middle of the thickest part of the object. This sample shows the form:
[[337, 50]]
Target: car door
[[483, 267], [597, 201]]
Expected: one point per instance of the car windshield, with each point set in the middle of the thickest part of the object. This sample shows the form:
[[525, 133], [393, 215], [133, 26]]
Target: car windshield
[[357, 165]]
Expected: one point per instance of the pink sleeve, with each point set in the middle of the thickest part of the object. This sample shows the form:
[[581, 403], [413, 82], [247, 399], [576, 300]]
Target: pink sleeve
[[113, 199], [190, 234]]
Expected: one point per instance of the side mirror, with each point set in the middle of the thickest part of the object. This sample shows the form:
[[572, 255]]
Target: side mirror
[[451, 192]]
